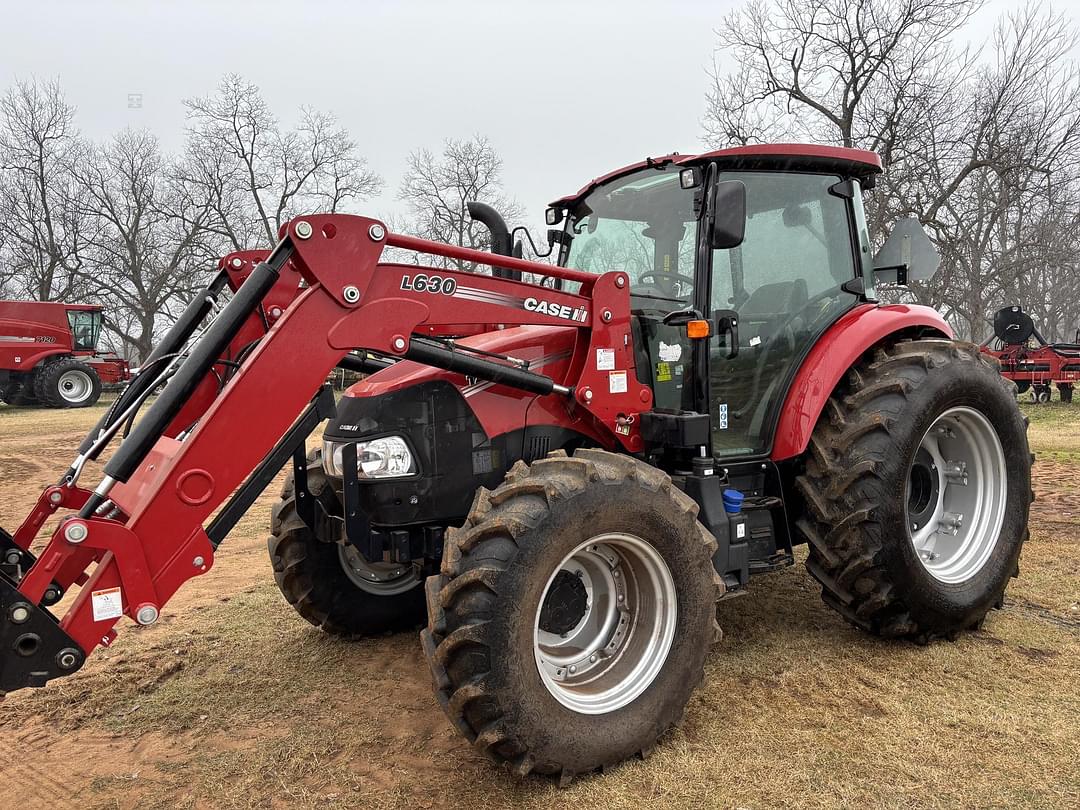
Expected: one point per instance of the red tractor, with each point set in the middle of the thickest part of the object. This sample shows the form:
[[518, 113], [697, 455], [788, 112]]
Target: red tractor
[[48, 355], [558, 480], [1029, 361]]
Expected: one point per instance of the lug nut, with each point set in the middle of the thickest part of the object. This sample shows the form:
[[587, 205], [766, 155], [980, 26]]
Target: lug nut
[[303, 229], [146, 615], [377, 232], [75, 532]]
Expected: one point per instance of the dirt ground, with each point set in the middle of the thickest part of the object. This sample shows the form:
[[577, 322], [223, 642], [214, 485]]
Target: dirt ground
[[232, 700]]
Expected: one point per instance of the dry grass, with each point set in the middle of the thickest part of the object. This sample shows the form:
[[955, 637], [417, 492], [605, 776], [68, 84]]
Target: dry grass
[[233, 701]]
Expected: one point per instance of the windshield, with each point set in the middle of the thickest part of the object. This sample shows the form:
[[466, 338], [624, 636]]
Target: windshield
[[85, 329], [643, 224]]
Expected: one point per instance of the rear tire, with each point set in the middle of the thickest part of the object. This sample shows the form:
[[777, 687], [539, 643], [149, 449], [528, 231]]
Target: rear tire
[[324, 581], [509, 605], [67, 383], [1066, 393], [864, 500]]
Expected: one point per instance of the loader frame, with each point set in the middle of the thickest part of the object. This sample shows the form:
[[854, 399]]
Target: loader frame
[[252, 381]]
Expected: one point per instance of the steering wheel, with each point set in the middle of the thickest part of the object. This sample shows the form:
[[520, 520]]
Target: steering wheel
[[656, 275]]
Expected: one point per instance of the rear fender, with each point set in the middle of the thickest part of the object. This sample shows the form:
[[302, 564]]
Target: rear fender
[[835, 352]]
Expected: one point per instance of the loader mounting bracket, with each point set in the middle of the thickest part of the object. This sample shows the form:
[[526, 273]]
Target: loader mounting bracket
[[34, 647]]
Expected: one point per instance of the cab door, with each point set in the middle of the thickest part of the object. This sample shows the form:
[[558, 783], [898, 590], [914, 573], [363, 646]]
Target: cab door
[[784, 282]]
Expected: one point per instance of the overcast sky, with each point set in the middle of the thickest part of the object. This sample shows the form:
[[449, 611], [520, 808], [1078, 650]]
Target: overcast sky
[[564, 90]]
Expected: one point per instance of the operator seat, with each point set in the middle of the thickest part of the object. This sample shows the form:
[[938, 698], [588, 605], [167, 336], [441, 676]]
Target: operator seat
[[769, 306]]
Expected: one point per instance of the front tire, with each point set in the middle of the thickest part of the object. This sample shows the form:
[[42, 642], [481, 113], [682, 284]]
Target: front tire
[[573, 614], [330, 584], [917, 487], [67, 383]]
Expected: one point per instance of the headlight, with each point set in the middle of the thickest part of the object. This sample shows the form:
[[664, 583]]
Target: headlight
[[387, 457]]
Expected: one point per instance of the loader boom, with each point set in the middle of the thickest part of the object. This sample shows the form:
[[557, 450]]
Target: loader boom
[[139, 535]]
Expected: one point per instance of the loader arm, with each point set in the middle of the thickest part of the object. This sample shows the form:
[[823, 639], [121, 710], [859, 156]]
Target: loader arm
[[250, 380]]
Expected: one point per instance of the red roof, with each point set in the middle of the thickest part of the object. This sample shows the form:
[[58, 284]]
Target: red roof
[[858, 162]]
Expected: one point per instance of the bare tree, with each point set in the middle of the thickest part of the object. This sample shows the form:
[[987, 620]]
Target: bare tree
[[254, 175], [981, 148], [146, 250], [42, 229], [436, 189]]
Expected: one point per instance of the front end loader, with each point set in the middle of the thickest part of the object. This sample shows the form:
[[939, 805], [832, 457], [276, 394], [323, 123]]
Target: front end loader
[[556, 469]]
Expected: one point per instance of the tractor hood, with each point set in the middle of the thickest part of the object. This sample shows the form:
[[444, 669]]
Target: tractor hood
[[547, 350], [461, 434]]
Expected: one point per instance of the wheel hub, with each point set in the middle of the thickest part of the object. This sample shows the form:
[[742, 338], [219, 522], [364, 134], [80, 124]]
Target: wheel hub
[[956, 495], [565, 604], [379, 578], [605, 623]]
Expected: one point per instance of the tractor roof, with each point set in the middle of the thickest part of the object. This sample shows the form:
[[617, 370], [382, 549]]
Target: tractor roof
[[777, 157]]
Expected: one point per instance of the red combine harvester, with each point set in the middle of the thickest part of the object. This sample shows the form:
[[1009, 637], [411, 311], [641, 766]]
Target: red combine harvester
[[1035, 368], [48, 355], [560, 479]]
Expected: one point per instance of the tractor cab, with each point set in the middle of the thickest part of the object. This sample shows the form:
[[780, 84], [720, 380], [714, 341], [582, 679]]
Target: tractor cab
[[798, 267], [85, 323]]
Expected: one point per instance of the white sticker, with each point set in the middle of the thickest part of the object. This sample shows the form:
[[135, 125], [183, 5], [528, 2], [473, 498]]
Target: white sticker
[[723, 416], [740, 530], [617, 382], [670, 353], [605, 359], [107, 604], [755, 340]]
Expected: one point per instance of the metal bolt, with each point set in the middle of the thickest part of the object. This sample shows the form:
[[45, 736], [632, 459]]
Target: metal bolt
[[55, 497], [399, 344], [620, 282], [588, 395], [377, 232], [13, 557], [198, 562], [351, 294], [414, 500], [592, 658], [237, 263], [573, 669], [75, 532], [146, 615], [606, 315], [620, 597], [20, 613], [275, 312], [67, 658], [303, 229]]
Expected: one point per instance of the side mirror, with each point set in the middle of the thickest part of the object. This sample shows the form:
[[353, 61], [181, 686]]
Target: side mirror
[[728, 214], [907, 255]]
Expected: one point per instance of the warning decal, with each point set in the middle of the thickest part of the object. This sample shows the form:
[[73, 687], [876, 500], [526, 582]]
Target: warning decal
[[107, 604]]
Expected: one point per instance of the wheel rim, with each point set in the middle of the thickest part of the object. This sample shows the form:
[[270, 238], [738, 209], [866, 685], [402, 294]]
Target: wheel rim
[[381, 578], [956, 494], [605, 623], [75, 386]]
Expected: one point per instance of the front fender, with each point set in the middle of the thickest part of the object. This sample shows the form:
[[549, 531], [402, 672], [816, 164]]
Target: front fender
[[837, 350]]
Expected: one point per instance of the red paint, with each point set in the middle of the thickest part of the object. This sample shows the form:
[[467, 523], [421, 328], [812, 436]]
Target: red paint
[[831, 357], [33, 331], [153, 545], [1044, 365], [858, 162]]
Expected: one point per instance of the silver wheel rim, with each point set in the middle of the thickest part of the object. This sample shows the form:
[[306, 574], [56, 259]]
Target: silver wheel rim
[[75, 386], [956, 495], [381, 578], [619, 644]]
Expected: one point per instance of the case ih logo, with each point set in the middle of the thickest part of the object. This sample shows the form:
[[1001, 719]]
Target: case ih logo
[[556, 310]]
